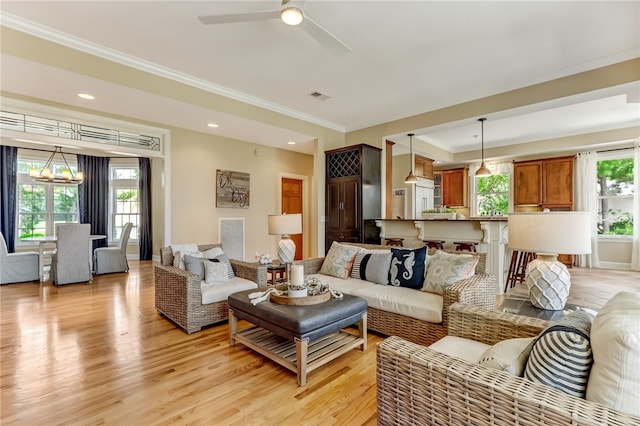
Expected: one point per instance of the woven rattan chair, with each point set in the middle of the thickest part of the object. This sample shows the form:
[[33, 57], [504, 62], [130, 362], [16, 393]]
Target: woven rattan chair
[[478, 290], [419, 386], [178, 296]]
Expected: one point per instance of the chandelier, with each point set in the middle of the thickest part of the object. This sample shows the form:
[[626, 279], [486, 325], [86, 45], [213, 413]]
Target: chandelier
[[46, 175]]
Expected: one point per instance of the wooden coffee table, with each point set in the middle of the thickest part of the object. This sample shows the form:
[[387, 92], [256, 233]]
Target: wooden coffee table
[[299, 338]]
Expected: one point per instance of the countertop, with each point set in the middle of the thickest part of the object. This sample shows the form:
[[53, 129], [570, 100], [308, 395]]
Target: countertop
[[470, 219]]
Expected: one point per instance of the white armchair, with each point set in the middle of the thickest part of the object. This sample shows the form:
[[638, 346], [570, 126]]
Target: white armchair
[[72, 261], [113, 259], [18, 267]]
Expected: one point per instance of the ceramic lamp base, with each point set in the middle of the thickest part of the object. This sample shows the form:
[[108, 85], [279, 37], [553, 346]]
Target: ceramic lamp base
[[548, 282], [286, 249]]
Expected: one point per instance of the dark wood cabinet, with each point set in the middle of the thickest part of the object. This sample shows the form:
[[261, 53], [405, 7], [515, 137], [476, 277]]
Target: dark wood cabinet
[[454, 188], [547, 183], [353, 194]]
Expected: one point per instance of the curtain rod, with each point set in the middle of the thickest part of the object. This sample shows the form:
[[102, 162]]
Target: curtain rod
[[614, 149]]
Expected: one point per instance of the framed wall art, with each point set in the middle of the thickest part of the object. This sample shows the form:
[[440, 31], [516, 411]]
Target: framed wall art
[[232, 189]]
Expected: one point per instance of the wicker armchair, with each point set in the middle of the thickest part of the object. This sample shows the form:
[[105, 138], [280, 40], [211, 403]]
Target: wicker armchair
[[178, 295], [419, 386], [478, 290]]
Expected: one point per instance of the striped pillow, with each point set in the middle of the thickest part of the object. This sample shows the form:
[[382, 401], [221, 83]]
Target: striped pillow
[[372, 267], [561, 356]]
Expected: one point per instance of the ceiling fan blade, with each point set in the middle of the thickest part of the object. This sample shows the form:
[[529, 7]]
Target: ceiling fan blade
[[324, 37], [239, 17]]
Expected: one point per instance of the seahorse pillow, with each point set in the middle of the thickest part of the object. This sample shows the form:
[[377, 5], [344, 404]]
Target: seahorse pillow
[[407, 267], [447, 268]]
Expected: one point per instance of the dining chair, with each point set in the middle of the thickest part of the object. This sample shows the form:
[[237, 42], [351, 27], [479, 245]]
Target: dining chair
[[18, 267], [72, 261], [107, 260]]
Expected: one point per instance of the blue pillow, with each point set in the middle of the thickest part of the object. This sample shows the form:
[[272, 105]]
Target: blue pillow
[[407, 267]]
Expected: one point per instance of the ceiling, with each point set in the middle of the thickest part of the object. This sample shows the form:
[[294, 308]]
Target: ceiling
[[406, 58]]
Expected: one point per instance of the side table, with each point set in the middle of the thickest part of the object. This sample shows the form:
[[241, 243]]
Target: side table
[[522, 306], [277, 273]]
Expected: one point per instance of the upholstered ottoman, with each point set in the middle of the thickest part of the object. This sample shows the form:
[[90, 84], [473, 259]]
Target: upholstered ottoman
[[300, 338]]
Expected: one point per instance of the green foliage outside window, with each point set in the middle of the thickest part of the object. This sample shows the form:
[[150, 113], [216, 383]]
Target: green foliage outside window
[[493, 194], [615, 185]]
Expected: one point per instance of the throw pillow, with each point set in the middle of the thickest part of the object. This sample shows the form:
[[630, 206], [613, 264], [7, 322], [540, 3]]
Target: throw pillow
[[372, 267], [215, 272], [224, 259], [194, 264], [509, 355], [446, 269], [615, 340], [212, 252], [339, 260], [561, 355], [176, 259], [407, 267], [182, 249]]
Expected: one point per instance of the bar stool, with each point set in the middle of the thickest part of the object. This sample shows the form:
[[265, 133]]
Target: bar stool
[[465, 245], [393, 242], [518, 268], [436, 244]]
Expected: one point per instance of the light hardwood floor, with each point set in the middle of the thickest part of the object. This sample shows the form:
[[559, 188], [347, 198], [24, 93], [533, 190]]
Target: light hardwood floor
[[99, 353]]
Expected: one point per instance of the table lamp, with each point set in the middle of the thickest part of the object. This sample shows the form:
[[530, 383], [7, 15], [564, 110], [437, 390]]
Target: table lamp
[[547, 234], [285, 225]]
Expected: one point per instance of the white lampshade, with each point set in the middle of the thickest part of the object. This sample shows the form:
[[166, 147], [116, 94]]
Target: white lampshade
[[285, 224], [291, 15], [550, 232]]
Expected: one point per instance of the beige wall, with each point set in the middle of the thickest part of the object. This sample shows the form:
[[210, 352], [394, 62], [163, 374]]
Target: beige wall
[[195, 157]]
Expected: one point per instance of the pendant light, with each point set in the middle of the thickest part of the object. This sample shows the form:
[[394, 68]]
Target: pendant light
[[483, 170], [46, 175], [411, 178]]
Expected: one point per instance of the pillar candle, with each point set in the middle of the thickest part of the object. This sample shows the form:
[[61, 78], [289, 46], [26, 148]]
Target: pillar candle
[[297, 275]]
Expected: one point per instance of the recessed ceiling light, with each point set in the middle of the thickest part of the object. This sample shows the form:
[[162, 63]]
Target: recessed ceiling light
[[86, 96], [214, 125], [291, 143]]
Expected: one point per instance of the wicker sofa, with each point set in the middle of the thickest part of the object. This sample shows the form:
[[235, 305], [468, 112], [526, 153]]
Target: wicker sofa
[[478, 290], [417, 385], [178, 295]]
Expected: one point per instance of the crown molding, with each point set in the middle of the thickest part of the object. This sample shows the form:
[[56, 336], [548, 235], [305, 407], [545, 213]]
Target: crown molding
[[49, 34]]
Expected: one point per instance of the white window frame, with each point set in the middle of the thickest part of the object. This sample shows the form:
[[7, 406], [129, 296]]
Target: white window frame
[[495, 168], [115, 184], [617, 155]]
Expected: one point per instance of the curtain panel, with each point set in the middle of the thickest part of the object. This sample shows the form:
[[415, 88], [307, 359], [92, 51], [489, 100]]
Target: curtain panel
[[93, 195], [587, 200], [8, 194], [144, 229]]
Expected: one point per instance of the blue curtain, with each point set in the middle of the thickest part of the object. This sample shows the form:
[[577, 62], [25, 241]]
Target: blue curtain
[[8, 194], [93, 195], [144, 229]]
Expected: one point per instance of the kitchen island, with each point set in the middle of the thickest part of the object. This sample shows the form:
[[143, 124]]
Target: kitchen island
[[489, 232]]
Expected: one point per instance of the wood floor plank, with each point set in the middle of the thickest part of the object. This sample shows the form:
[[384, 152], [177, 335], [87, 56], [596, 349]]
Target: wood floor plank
[[100, 354]]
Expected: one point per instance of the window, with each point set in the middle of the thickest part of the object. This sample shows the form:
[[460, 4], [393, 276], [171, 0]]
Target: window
[[492, 194], [616, 194], [125, 204], [41, 206]]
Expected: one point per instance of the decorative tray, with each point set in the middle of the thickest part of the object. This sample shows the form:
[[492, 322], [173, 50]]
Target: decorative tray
[[300, 301]]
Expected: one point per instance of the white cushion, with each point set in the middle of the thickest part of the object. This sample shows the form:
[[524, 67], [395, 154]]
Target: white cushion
[[400, 300], [181, 250], [215, 272], [212, 293], [615, 342], [461, 348], [509, 355], [212, 252]]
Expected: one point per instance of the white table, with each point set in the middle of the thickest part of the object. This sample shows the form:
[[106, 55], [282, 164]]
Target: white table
[[52, 240]]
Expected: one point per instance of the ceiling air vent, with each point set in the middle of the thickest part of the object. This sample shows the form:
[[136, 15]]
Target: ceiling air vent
[[319, 96]]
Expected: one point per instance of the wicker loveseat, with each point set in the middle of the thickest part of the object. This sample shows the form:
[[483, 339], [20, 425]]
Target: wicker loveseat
[[418, 386], [479, 290], [179, 298]]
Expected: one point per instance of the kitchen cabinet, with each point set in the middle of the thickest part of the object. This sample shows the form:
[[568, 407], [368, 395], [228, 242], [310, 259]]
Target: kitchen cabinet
[[454, 187], [547, 183], [423, 167], [353, 194], [437, 189]]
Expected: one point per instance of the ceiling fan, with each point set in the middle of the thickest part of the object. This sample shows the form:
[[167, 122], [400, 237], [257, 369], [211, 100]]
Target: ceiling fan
[[290, 14]]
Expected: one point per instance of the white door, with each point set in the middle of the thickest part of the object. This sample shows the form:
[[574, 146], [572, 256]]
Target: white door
[[424, 197]]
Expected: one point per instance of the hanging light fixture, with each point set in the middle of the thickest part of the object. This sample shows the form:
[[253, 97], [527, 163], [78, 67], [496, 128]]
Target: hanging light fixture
[[46, 175], [411, 178], [291, 15], [483, 170]]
